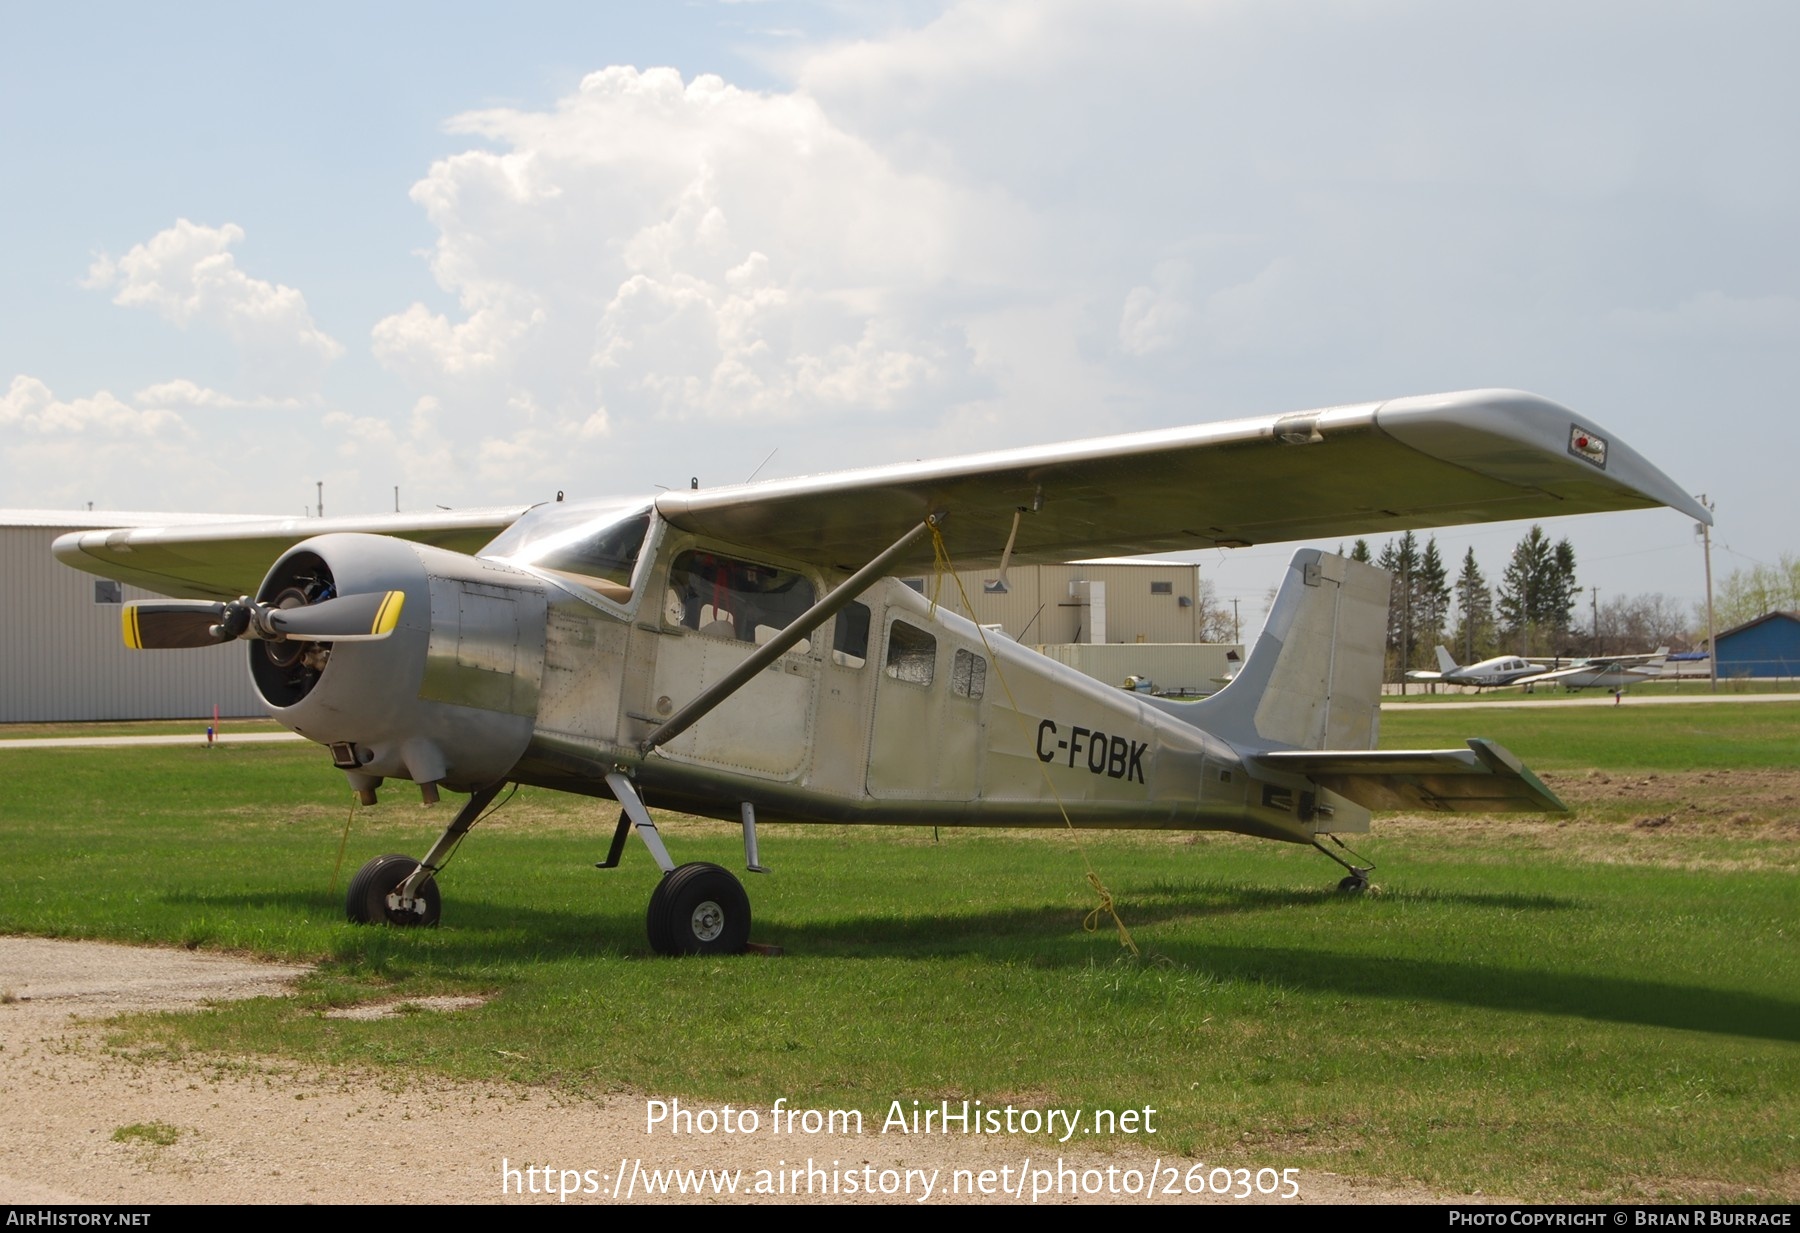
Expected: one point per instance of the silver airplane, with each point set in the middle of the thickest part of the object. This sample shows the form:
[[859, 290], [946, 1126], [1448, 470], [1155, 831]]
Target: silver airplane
[[1610, 672], [1501, 670], [746, 653]]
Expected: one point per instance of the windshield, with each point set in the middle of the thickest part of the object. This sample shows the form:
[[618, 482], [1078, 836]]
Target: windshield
[[595, 545]]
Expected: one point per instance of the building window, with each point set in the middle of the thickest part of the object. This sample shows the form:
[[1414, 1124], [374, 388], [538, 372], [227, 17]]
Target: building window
[[106, 591], [1162, 588], [917, 584], [994, 586]]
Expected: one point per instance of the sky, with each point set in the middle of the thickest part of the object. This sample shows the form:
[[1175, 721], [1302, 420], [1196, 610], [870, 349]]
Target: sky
[[482, 255]]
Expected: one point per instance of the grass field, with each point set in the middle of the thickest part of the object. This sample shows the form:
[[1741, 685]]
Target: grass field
[[1602, 1007]]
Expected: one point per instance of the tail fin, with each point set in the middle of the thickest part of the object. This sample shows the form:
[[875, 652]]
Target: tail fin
[[1313, 680], [1446, 662]]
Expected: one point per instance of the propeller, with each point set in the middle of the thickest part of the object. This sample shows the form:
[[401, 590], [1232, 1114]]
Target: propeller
[[174, 624]]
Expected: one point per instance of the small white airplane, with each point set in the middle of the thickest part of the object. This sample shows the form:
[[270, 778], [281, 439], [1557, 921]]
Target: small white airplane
[[747, 652], [1501, 670], [1611, 672]]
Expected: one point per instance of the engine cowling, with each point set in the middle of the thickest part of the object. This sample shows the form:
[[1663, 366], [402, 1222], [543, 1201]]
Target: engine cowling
[[449, 698]]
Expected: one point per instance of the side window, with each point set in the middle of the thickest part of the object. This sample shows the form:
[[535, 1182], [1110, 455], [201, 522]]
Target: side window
[[742, 601], [911, 654], [968, 675], [850, 636]]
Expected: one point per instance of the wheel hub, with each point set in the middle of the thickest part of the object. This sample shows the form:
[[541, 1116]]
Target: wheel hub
[[708, 921], [405, 907]]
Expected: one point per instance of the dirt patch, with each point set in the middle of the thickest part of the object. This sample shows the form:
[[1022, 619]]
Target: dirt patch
[[1731, 797], [410, 1006], [88, 1123]]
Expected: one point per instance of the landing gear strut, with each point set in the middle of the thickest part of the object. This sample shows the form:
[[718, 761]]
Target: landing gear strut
[[697, 908], [398, 890], [1358, 879]]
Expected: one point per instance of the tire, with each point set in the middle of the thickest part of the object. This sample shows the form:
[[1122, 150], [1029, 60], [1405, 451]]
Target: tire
[[366, 901], [656, 920], [700, 909]]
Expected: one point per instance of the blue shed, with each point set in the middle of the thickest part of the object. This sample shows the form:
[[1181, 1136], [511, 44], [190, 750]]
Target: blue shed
[[1768, 646]]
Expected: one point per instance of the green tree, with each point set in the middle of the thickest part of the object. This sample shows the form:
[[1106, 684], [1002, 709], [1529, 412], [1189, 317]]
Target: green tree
[[1401, 559], [1475, 603], [1537, 592], [1432, 601], [1749, 593]]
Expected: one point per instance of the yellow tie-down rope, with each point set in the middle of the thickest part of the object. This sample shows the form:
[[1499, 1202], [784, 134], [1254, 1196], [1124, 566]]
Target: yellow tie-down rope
[[1091, 922]]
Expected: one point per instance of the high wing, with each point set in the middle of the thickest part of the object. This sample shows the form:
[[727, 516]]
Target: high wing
[[1630, 661], [1439, 460], [1620, 668], [228, 559]]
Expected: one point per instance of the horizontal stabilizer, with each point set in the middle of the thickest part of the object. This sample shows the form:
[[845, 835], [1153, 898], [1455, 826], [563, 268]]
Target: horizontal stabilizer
[[1484, 778]]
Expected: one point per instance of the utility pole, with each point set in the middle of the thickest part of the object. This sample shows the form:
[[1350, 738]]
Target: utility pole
[[320, 510], [1234, 622], [1595, 592], [1712, 646]]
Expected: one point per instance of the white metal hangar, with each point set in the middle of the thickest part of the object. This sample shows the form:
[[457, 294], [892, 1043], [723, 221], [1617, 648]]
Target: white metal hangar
[[63, 657]]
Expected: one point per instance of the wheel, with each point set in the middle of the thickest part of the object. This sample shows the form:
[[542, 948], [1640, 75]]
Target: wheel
[[656, 920], [366, 902], [700, 909], [1355, 884]]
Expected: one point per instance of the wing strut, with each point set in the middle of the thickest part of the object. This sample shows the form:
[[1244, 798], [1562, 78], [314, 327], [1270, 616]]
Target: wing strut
[[835, 600]]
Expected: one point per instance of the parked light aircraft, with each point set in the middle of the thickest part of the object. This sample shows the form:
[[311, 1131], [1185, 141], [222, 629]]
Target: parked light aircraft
[[1501, 670], [746, 653], [1612, 672]]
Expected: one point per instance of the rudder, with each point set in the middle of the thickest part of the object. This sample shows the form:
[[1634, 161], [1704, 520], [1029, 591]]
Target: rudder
[[1313, 680]]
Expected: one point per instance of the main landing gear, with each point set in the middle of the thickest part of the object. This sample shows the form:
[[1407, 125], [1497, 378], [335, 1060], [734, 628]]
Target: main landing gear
[[375, 895], [700, 909], [399, 890], [697, 909], [1358, 879]]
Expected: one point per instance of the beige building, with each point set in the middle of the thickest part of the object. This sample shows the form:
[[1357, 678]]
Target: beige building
[[1109, 619], [1097, 602]]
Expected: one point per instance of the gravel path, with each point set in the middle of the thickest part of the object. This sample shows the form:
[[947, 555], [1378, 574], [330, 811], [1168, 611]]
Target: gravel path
[[85, 1122]]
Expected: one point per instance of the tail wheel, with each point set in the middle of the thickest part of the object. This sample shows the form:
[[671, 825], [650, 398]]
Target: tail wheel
[[699, 909], [371, 897]]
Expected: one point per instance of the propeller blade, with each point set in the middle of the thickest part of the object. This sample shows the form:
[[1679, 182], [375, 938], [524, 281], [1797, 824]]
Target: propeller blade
[[349, 618], [171, 624]]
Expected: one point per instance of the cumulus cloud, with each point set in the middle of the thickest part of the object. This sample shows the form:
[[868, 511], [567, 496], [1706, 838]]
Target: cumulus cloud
[[29, 407], [187, 276], [60, 452], [658, 250], [185, 393]]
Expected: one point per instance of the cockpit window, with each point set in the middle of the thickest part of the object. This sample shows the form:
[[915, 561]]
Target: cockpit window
[[724, 597], [594, 547]]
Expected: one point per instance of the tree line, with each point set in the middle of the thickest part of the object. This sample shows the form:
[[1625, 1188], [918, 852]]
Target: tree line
[[1534, 611]]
